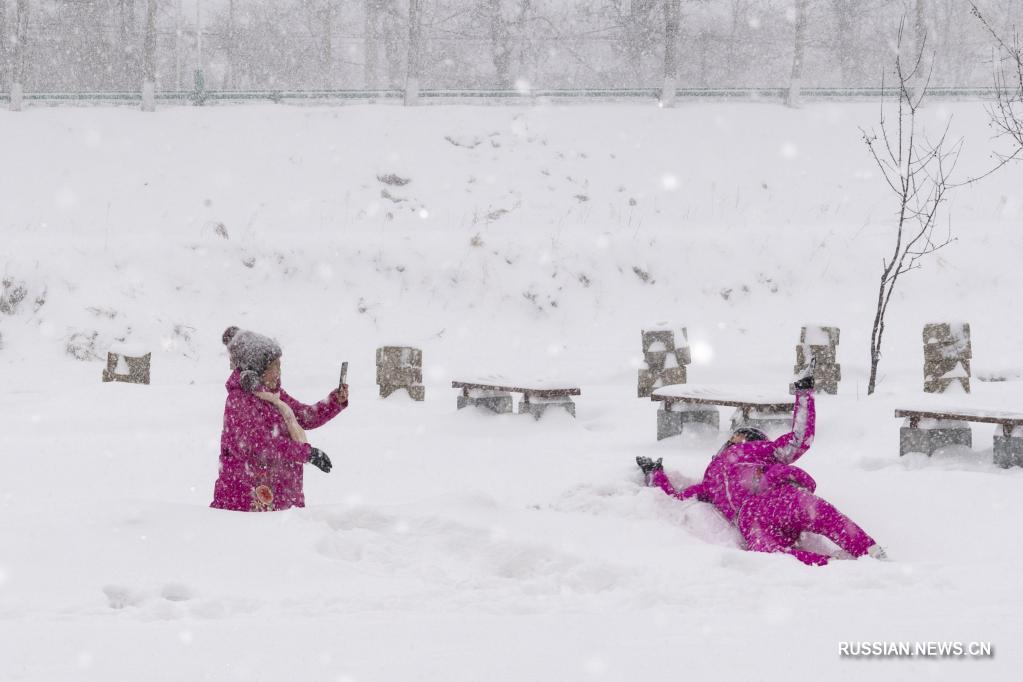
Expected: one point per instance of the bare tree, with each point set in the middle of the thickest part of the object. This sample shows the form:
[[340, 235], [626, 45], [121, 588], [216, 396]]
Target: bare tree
[[127, 62], [19, 61], [500, 43], [396, 30], [639, 26], [672, 26], [230, 47], [149, 59], [371, 44], [842, 43], [1007, 111], [4, 56], [798, 52], [329, 17], [918, 173], [415, 49]]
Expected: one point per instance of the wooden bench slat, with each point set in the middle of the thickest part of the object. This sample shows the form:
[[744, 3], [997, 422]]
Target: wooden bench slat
[[980, 416], [537, 392], [774, 407]]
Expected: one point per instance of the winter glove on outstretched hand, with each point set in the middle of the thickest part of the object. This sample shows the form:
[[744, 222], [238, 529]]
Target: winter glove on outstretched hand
[[804, 382], [318, 458], [649, 466]]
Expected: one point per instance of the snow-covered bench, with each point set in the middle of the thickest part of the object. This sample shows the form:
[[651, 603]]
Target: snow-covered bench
[[496, 397], [927, 429], [695, 403]]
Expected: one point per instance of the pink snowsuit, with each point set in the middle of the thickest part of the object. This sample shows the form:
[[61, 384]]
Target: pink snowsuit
[[260, 465], [770, 501]]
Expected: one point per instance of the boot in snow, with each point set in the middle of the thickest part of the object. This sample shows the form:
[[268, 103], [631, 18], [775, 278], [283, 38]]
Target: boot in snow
[[877, 552]]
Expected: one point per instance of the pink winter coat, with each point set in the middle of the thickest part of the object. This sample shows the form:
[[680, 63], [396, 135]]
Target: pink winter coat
[[744, 470], [260, 465]]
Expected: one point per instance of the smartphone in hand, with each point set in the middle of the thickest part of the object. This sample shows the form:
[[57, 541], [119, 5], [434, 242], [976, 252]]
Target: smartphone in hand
[[344, 374]]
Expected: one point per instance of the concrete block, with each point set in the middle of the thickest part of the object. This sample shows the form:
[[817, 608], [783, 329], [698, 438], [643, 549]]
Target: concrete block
[[962, 385], [399, 356], [401, 376], [826, 355], [660, 339], [646, 381], [945, 332], [128, 369], [655, 360], [673, 422], [673, 376], [499, 402], [938, 351], [768, 422], [941, 438], [829, 387], [937, 369], [914, 440], [1008, 451], [928, 440], [537, 408], [813, 333], [416, 392]]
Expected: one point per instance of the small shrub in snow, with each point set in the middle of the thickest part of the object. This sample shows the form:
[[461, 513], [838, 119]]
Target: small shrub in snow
[[106, 313], [642, 274], [82, 346], [393, 179], [390, 197], [14, 292]]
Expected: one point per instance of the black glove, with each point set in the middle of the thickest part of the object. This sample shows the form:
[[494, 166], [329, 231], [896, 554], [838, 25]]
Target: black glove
[[805, 382], [318, 458], [648, 466]]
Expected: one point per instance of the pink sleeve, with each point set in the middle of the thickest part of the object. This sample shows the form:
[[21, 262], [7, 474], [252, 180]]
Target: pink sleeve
[[250, 437], [778, 474], [660, 479], [313, 416], [792, 445]]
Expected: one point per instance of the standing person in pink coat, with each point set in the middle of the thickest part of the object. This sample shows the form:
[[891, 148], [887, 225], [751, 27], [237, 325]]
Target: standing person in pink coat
[[263, 445], [752, 481]]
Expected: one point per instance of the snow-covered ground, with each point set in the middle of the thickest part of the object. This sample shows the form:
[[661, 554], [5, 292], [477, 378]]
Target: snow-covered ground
[[453, 545]]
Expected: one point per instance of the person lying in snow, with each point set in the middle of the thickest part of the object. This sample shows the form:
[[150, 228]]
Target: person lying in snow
[[752, 481], [263, 445]]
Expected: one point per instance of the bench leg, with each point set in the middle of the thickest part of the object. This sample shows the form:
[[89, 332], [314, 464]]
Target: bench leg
[[540, 408], [499, 403], [914, 439], [672, 419], [1008, 451]]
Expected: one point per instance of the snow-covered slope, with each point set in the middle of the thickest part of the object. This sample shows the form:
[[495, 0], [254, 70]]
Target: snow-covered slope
[[454, 545]]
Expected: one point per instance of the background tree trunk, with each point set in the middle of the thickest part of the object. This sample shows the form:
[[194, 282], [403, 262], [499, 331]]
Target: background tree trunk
[[799, 47], [843, 40], [328, 45], [19, 63], [126, 53], [149, 59], [230, 48], [5, 66], [414, 53], [500, 44], [371, 45], [672, 21]]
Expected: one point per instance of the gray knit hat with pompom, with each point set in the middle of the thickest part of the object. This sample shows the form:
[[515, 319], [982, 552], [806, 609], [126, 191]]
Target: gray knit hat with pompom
[[252, 353]]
